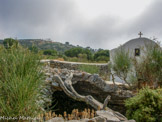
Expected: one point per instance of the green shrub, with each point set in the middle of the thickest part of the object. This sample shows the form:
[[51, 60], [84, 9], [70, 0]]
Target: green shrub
[[100, 54], [121, 64], [146, 106], [149, 68], [73, 59], [82, 58], [50, 52], [89, 68], [74, 52], [102, 58], [21, 81]]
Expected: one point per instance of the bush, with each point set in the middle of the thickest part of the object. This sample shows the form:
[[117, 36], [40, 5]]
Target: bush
[[121, 64], [98, 56], [102, 58], [82, 57], [89, 68], [146, 106], [21, 81], [75, 52], [50, 52], [148, 69]]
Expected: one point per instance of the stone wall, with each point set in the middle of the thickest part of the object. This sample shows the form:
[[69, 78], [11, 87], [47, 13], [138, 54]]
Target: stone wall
[[103, 67]]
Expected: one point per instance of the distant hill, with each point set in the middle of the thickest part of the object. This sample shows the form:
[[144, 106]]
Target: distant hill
[[43, 44], [46, 44]]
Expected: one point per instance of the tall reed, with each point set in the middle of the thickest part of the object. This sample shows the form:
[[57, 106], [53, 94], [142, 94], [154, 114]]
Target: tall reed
[[21, 81]]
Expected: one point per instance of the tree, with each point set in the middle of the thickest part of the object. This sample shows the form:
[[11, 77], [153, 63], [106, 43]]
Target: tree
[[101, 53], [50, 52], [88, 53], [9, 42], [121, 64], [67, 43], [74, 52], [149, 68]]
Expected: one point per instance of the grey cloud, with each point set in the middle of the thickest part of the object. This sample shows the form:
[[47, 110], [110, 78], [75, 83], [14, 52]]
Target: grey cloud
[[60, 20], [34, 17], [94, 33], [150, 21]]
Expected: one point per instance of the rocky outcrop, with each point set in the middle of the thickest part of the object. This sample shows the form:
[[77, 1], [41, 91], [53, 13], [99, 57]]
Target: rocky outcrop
[[84, 84], [91, 89]]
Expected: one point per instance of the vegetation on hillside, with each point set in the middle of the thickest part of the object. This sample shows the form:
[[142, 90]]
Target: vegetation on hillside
[[85, 55], [68, 52], [75, 52], [45, 44]]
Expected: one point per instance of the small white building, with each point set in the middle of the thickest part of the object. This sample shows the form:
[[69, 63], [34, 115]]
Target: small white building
[[135, 47]]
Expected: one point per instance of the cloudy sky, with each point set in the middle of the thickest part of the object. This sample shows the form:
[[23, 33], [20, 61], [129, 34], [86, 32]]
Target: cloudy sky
[[95, 23]]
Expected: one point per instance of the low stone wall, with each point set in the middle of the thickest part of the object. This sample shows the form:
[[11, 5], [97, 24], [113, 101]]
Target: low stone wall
[[103, 67]]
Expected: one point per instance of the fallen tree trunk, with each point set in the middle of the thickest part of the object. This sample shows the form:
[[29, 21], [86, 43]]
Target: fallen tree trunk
[[70, 91], [67, 87]]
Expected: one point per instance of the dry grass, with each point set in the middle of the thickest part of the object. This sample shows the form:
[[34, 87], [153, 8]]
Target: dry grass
[[75, 115]]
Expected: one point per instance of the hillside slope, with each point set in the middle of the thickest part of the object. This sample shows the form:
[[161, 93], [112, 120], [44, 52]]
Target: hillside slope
[[44, 45]]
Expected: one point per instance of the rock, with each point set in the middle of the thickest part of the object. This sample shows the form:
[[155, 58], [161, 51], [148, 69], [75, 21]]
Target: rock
[[82, 120], [56, 119], [108, 115], [86, 84], [97, 119]]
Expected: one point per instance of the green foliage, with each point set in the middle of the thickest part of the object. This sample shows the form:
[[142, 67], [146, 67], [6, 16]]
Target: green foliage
[[9, 42], [146, 106], [82, 57], [121, 64], [34, 49], [45, 44], [89, 68], [149, 68], [101, 55], [21, 82], [50, 52], [73, 59], [74, 52], [88, 53], [102, 58]]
